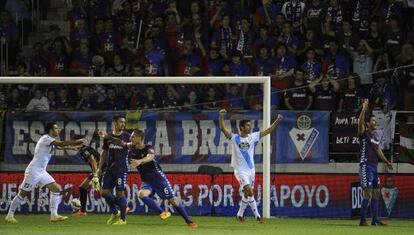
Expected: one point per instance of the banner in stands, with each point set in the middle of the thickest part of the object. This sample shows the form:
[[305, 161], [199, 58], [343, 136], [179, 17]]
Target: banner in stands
[[302, 137], [291, 195], [344, 132], [177, 137]]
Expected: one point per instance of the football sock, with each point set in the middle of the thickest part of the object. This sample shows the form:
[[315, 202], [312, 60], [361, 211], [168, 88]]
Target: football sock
[[243, 206], [180, 209], [17, 200], [374, 209], [110, 200], [122, 207], [54, 203], [83, 196], [152, 204], [253, 206], [364, 208]]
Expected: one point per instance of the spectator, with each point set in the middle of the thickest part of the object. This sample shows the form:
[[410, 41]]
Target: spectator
[[349, 38], [299, 97], [375, 39], [336, 62], [333, 19], [58, 58], [264, 40], [214, 64], [325, 91], [153, 60], [234, 99], [98, 28], [283, 69], [39, 102], [14, 101], [54, 34], [383, 94], [212, 101], [9, 31], [265, 15], [81, 33], [113, 101], [119, 68], [39, 62], [150, 99], [171, 99], [51, 98], [263, 64], [288, 38], [315, 13], [312, 67], [310, 41], [350, 96], [82, 61], [191, 103], [109, 42], [394, 39], [245, 38], [363, 64], [3, 97], [189, 62], [222, 38], [361, 14], [294, 10], [77, 12], [86, 102]]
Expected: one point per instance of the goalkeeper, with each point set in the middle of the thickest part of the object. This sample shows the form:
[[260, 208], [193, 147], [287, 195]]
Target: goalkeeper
[[91, 156]]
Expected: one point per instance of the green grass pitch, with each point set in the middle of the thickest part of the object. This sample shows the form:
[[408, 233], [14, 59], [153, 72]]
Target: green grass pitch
[[145, 224]]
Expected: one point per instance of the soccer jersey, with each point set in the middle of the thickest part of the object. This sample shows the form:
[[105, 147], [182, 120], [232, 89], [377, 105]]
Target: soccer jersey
[[117, 157], [87, 151], [43, 152], [369, 142], [242, 158], [148, 171]]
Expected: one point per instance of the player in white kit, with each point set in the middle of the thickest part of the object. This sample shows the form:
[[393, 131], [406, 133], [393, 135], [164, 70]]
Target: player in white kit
[[242, 160], [36, 172]]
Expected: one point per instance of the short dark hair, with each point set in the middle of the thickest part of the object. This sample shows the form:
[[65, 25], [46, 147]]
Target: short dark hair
[[368, 117], [77, 136], [243, 122], [117, 117], [139, 133], [49, 126]]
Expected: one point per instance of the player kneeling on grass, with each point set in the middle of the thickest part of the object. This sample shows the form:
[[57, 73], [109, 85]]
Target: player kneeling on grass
[[142, 156], [242, 160], [91, 156], [36, 173]]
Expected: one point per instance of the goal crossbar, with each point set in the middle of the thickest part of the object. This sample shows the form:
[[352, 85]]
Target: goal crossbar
[[265, 81]]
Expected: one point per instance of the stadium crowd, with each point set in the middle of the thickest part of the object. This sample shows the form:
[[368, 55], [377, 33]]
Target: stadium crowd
[[321, 55]]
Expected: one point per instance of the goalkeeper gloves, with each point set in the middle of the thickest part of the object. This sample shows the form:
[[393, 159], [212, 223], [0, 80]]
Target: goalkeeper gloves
[[95, 182]]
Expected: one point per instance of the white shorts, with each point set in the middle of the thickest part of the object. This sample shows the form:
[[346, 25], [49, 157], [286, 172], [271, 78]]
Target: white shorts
[[245, 178], [33, 177]]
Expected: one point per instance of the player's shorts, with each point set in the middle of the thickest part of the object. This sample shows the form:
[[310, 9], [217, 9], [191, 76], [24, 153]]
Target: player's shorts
[[33, 177], [368, 176], [245, 178], [161, 187], [113, 179]]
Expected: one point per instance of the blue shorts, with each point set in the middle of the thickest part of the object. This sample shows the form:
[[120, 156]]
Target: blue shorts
[[114, 179], [161, 187], [368, 176]]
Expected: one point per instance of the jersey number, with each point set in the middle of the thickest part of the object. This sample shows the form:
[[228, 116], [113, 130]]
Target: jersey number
[[119, 181]]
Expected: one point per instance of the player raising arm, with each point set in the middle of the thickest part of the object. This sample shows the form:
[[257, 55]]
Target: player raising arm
[[36, 173], [368, 172], [242, 160]]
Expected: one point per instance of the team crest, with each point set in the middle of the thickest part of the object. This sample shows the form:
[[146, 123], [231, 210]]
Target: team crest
[[304, 136], [389, 196]]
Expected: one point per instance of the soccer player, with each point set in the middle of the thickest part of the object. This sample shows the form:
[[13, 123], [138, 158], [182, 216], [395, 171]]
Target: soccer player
[[242, 160], [116, 170], [91, 156], [36, 173], [142, 156], [370, 152]]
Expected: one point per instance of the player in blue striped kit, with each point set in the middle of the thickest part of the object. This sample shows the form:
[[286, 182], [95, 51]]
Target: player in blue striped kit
[[116, 171], [368, 174]]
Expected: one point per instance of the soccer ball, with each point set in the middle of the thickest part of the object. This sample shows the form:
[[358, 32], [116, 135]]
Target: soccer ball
[[75, 204]]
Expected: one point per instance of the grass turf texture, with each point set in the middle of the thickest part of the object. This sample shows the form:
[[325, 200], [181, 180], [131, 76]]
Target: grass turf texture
[[144, 224]]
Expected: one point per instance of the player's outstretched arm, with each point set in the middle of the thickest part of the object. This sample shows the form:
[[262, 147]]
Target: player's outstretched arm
[[225, 131], [148, 158], [361, 118], [272, 127], [111, 139], [64, 143]]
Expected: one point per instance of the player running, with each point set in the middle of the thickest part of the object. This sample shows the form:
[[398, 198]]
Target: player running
[[142, 156], [36, 173], [368, 175], [116, 171], [242, 160], [91, 156]]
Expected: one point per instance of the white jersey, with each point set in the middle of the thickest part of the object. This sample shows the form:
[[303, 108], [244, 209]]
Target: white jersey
[[242, 158], [43, 153]]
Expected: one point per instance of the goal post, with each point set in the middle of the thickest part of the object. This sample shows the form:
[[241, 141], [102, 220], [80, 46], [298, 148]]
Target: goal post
[[263, 80]]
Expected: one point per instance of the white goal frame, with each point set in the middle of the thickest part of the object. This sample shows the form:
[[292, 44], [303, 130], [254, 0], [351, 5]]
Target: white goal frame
[[263, 80]]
